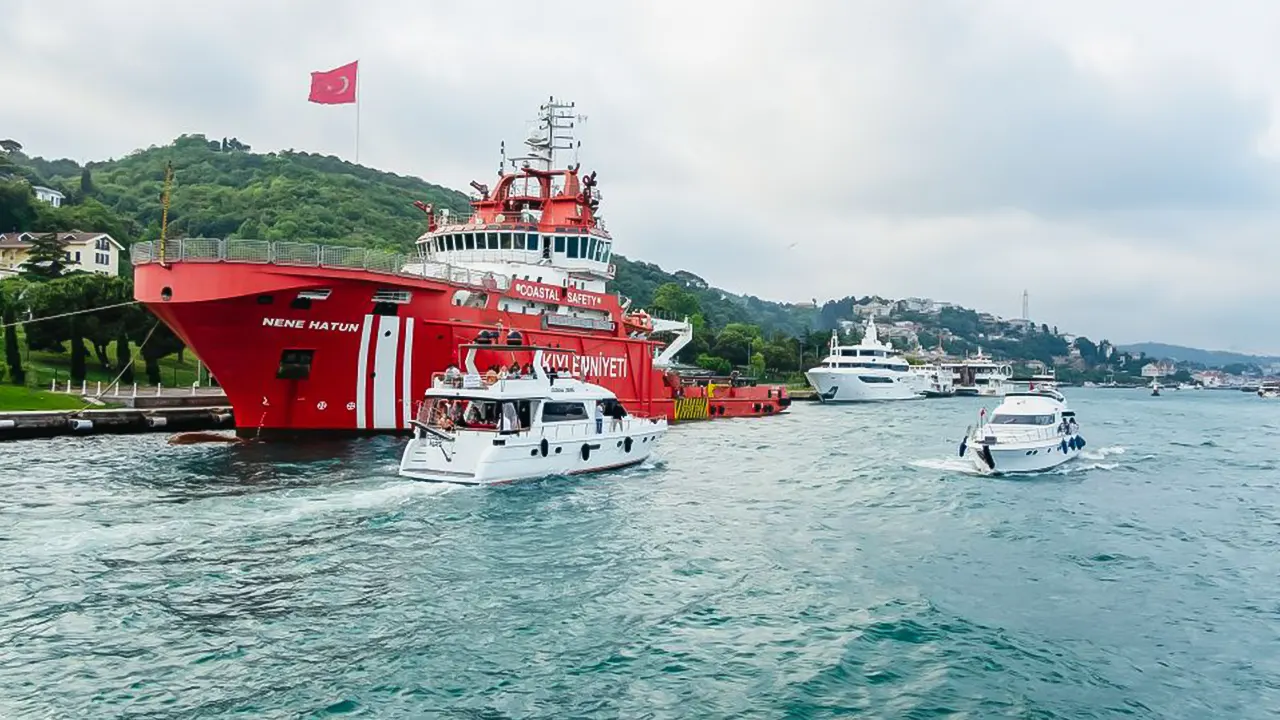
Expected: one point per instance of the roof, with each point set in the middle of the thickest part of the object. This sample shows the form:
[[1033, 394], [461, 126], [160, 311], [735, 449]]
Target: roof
[[23, 239], [49, 190]]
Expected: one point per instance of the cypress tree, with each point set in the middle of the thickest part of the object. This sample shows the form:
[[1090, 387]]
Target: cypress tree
[[78, 354], [124, 359], [12, 356]]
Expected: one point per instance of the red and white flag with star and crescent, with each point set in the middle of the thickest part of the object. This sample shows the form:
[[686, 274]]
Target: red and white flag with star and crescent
[[334, 87]]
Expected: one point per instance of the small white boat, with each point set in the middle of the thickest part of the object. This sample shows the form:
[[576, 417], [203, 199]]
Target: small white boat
[[473, 432], [1269, 389], [1029, 432]]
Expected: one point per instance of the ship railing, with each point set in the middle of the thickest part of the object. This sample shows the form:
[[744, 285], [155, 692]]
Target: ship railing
[[263, 252], [1010, 435]]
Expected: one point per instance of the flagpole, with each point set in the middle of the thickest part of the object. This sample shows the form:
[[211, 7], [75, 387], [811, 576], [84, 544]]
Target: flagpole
[[357, 112]]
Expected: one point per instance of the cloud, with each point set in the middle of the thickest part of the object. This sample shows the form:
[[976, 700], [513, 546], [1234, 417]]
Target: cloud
[[1120, 164]]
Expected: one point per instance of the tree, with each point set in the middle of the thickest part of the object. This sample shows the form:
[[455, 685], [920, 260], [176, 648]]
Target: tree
[[124, 359], [17, 206], [674, 300], [77, 350], [152, 345], [10, 294], [10, 146], [47, 258], [757, 364], [86, 182], [714, 364]]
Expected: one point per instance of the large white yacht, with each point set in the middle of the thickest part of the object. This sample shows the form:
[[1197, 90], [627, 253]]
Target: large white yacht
[[980, 375], [870, 370]]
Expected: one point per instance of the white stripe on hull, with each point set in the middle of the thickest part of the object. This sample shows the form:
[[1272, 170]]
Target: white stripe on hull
[[362, 371], [407, 374], [384, 372]]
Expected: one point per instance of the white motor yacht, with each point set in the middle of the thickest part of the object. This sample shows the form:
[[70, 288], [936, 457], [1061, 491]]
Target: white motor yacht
[[1029, 432], [477, 431], [870, 370], [980, 375], [1269, 389]]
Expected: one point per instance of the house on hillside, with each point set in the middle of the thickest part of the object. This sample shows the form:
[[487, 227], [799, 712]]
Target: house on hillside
[[48, 195], [874, 309], [1158, 369], [916, 305], [690, 280], [89, 252]]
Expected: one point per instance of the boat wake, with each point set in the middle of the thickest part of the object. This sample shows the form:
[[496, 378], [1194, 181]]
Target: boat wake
[[950, 465], [1103, 453]]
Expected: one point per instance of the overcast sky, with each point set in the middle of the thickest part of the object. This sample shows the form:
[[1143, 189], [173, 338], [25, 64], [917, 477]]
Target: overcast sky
[[1117, 160]]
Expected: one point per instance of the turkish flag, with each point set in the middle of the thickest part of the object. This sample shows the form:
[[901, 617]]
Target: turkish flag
[[335, 87]]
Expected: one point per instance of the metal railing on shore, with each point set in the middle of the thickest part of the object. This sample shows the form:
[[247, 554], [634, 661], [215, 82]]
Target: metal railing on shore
[[293, 254]]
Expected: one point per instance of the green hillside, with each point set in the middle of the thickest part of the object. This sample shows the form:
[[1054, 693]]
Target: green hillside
[[224, 189], [221, 189]]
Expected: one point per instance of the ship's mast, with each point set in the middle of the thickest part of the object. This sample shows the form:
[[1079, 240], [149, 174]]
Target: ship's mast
[[554, 131]]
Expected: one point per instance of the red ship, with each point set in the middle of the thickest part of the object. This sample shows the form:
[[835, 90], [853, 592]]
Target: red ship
[[305, 337]]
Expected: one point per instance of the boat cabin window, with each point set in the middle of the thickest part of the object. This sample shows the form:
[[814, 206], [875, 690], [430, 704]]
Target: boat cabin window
[[505, 240], [559, 243], [563, 411], [1002, 419], [875, 379], [573, 247], [493, 241], [470, 413]]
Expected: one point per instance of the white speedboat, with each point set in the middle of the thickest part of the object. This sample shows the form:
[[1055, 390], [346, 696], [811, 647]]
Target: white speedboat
[[474, 431], [1029, 432], [870, 370], [1269, 389], [980, 375]]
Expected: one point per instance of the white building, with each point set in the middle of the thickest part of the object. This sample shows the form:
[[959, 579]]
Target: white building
[[88, 252], [915, 304], [873, 310], [1157, 369], [48, 195]]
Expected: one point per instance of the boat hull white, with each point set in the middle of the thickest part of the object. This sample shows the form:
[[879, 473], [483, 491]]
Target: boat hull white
[[1028, 457], [569, 448], [840, 387]]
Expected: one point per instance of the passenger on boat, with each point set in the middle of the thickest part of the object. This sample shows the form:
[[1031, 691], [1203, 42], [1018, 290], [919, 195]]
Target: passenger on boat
[[491, 377], [528, 369], [599, 418], [514, 372], [617, 412], [453, 376]]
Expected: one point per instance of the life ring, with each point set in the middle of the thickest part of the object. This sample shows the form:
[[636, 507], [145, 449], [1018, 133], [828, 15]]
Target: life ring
[[586, 452], [542, 447], [626, 444]]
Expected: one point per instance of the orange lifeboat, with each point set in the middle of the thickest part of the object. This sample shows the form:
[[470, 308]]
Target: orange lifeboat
[[638, 321]]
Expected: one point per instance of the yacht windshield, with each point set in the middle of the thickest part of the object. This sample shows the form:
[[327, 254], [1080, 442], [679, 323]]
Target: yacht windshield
[[1021, 419]]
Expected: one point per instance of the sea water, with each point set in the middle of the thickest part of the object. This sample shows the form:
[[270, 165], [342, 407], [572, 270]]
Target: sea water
[[839, 561]]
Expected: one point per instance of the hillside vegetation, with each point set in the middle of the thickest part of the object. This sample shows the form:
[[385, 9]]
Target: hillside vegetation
[[224, 189]]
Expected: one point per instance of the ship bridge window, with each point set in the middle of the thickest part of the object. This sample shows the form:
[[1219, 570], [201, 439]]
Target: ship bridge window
[[469, 241], [559, 243], [504, 240], [493, 241], [573, 247], [531, 241], [1002, 419], [399, 297], [295, 364], [591, 248]]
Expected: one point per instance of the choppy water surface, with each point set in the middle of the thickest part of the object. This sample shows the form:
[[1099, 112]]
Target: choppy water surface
[[833, 562]]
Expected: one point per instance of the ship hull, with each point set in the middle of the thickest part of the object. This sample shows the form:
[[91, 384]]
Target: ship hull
[[346, 363]]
